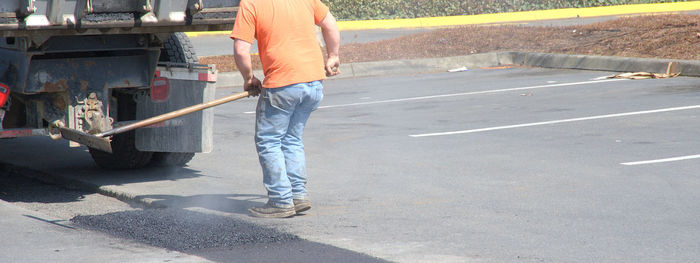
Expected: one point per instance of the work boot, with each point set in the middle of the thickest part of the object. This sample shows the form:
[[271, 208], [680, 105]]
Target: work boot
[[271, 210], [301, 205]]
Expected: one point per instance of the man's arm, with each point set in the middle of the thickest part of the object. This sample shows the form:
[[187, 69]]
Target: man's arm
[[241, 53], [331, 36]]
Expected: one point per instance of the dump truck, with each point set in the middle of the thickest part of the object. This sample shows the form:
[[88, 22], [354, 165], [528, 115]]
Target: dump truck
[[93, 65]]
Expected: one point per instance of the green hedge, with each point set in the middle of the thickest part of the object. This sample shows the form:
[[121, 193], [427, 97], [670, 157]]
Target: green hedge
[[388, 9]]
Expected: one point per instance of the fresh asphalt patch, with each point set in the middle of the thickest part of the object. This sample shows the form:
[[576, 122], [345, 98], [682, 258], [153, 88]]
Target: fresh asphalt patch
[[214, 237], [182, 230]]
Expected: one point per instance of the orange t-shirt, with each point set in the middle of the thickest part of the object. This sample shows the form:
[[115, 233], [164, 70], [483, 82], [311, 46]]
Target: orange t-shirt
[[286, 34]]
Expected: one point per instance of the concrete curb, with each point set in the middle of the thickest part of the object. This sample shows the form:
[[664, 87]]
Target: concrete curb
[[689, 68]]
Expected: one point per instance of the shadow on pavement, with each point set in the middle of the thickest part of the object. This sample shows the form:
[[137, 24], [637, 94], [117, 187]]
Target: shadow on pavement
[[101, 176], [54, 158], [229, 203], [17, 188]]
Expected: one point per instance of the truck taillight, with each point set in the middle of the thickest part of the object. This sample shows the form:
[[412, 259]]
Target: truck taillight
[[160, 90], [4, 94]]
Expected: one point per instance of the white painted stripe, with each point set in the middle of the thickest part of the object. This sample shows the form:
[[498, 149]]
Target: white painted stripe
[[462, 94], [467, 93], [617, 115], [674, 159]]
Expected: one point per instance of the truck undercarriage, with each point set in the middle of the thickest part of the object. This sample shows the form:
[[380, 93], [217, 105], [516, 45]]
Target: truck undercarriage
[[90, 65]]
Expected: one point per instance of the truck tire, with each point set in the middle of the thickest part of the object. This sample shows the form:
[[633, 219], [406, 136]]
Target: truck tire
[[171, 159], [177, 49], [124, 153]]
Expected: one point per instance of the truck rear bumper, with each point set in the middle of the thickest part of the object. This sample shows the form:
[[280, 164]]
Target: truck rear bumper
[[15, 133]]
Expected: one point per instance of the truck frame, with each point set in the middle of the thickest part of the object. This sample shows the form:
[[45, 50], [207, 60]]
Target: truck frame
[[89, 64]]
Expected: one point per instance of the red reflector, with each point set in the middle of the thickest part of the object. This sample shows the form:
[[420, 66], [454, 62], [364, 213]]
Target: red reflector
[[207, 77], [4, 93], [15, 133], [160, 90]]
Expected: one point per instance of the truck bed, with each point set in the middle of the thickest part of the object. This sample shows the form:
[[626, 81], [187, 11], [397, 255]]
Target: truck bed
[[64, 17]]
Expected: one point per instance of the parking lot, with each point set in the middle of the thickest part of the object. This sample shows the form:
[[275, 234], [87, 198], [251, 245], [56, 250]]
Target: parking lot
[[493, 165]]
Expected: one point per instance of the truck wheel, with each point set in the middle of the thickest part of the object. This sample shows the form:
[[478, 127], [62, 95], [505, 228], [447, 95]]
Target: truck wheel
[[124, 153], [171, 159], [177, 49]]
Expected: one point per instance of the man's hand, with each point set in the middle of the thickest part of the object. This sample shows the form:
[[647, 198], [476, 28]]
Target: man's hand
[[331, 35], [241, 52], [332, 66], [253, 86]]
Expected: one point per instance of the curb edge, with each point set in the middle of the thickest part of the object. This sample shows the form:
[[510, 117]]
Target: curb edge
[[689, 68]]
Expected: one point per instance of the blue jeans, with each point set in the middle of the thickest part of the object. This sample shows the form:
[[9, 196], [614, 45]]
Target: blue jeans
[[281, 116]]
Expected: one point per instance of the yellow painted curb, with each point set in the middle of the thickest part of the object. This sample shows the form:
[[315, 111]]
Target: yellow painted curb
[[504, 17], [207, 33], [520, 16]]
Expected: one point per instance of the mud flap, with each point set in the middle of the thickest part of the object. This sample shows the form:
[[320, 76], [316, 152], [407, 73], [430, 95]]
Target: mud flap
[[188, 84]]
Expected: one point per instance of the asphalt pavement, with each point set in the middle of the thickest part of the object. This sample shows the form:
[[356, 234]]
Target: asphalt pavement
[[498, 165]]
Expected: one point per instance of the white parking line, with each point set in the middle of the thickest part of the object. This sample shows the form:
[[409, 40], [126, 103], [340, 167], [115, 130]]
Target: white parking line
[[617, 115], [463, 94], [674, 159]]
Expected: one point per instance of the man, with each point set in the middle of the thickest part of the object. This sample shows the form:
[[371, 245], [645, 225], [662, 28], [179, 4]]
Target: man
[[294, 68]]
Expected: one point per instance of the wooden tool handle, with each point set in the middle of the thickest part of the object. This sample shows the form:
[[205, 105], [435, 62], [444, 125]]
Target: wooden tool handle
[[174, 114]]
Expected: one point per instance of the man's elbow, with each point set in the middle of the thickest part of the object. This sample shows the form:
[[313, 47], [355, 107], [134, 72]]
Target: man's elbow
[[241, 48], [328, 23], [237, 53]]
